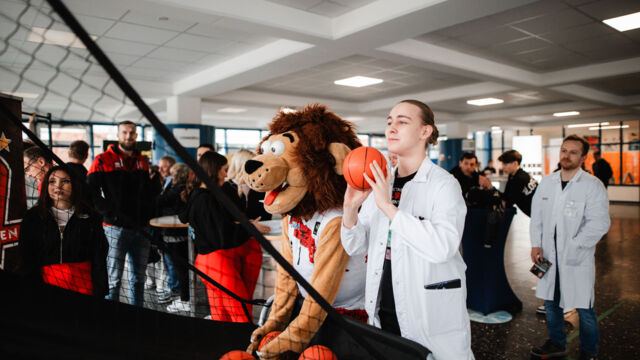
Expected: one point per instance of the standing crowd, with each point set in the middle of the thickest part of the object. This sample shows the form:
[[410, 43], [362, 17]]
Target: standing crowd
[[409, 224]]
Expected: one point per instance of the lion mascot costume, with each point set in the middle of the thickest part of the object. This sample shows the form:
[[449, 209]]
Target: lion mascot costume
[[299, 167]]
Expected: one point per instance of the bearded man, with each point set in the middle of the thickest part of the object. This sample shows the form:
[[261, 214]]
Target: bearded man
[[121, 175]]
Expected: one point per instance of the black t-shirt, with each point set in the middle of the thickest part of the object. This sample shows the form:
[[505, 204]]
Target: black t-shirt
[[387, 312], [519, 190]]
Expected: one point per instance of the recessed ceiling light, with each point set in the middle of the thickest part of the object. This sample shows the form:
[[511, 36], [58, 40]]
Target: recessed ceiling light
[[609, 127], [358, 81], [24, 95], [566, 113], [586, 125], [625, 22], [231, 110], [287, 110], [485, 101], [354, 118], [56, 37]]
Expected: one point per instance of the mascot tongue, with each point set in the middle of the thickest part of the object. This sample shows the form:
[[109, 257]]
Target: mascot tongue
[[271, 196]]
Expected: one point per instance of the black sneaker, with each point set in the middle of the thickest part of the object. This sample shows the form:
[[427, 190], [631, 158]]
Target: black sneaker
[[584, 355], [549, 350]]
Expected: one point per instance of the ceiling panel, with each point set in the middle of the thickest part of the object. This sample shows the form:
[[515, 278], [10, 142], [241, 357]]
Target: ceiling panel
[[398, 79], [173, 54], [511, 99], [622, 85], [605, 9], [553, 22], [124, 47], [198, 43], [162, 22], [544, 36], [95, 25], [143, 34], [329, 8]]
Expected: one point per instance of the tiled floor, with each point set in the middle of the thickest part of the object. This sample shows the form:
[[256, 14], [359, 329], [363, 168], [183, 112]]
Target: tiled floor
[[617, 293]]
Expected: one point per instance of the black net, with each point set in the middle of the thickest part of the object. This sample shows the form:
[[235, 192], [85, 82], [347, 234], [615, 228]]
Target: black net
[[159, 238]]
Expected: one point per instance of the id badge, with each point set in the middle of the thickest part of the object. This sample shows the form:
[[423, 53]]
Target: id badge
[[570, 209]]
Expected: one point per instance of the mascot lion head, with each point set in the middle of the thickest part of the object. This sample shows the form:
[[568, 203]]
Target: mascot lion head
[[299, 164]]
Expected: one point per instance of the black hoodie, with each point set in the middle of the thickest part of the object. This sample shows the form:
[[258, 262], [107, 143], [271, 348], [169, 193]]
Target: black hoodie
[[214, 227]]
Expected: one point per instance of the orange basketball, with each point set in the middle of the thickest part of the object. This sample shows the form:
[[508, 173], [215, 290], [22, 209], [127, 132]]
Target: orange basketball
[[267, 338], [237, 355], [357, 162], [318, 352]]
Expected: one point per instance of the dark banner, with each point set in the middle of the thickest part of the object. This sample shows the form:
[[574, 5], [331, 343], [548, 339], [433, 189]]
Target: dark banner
[[12, 191]]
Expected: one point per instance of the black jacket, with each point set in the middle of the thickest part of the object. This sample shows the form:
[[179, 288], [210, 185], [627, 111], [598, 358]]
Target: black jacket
[[519, 191], [213, 225], [128, 191], [602, 170], [83, 240], [250, 204], [466, 182], [170, 203]]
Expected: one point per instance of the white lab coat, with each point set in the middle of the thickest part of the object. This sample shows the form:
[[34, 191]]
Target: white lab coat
[[580, 213], [426, 234]]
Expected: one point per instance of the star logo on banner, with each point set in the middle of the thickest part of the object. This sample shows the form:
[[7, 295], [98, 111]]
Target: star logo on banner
[[4, 142]]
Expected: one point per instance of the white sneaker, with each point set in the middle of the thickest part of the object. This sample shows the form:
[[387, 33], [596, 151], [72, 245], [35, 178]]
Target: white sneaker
[[208, 317], [179, 305]]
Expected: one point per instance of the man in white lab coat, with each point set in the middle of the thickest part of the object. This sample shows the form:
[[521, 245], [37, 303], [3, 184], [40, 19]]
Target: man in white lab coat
[[569, 215]]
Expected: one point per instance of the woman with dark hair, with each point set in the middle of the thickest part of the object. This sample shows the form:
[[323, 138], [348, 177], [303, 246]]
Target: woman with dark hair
[[170, 202], [225, 251], [61, 240]]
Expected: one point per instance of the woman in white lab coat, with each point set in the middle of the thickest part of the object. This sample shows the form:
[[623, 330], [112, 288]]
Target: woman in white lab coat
[[410, 224]]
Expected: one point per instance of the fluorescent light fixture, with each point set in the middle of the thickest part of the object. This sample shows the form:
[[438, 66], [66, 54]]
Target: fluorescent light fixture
[[442, 138], [287, 110], [56, 37], [231, 110], [485, 101], [24, 95], [354, 118], [625, 22], [609, 127], [495, 128], [586, 125], [358, 81], [566, 113]]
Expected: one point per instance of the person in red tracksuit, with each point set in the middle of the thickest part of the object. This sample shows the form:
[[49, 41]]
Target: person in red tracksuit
[[225, 251], [61, 241]]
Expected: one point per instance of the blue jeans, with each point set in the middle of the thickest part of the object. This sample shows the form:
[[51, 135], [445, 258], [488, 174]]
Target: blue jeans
[[172, 281], [123, 242], [589, 334]]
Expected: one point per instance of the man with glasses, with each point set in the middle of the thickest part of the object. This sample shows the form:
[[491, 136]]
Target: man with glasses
[[36, 164]]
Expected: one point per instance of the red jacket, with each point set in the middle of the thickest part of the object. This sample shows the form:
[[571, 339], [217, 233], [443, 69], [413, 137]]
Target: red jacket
[[128, 191]]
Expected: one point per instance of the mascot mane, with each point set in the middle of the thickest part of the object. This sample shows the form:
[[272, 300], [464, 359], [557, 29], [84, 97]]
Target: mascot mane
[[316, 128]]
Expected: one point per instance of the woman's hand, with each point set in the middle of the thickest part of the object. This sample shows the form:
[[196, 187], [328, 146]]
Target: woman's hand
[[380, 187], [264, 229]]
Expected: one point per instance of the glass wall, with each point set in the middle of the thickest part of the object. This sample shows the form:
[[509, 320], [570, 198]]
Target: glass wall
[[618, 142]]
